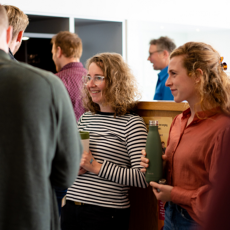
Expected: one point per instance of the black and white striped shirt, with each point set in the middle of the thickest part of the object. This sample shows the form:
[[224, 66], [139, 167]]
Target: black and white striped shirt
[[116, 143]]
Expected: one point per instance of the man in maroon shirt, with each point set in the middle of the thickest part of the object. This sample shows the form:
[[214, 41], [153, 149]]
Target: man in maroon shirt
[[67, 50]]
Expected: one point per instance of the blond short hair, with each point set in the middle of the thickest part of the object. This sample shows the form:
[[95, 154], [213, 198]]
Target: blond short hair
[[121, 91], [70, 44], [17, 19], [3, 18]]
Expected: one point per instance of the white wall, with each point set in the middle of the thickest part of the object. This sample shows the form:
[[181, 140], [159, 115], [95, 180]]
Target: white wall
[[219, 39], [139, 35], [141, 32], [195, 12]]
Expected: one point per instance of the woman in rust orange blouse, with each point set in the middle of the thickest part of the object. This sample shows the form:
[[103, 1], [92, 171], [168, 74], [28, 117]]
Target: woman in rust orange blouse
[[197, 136]]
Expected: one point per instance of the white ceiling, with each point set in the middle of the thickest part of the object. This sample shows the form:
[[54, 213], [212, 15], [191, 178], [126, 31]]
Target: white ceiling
[[196, 12]]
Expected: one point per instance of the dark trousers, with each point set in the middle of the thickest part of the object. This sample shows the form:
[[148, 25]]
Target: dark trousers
[[60, 193], [92, 217]]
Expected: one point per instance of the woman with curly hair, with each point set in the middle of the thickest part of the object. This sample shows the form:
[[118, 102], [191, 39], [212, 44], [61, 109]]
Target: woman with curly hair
[[198, 137], [98, 199]]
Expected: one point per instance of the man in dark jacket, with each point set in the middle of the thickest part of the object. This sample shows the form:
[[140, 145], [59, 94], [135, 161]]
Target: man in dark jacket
[[40, 146]]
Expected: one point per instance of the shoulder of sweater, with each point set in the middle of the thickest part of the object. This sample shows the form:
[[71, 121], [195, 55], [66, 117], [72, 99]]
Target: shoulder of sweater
[[23, 67], [31, 71], [134, 118]]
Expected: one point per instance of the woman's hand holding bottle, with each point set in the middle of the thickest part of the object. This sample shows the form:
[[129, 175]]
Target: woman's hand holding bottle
[[162, 192], [145, 161]]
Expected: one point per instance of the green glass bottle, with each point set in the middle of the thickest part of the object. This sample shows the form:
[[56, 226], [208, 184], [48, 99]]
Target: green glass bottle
[[154, 154]]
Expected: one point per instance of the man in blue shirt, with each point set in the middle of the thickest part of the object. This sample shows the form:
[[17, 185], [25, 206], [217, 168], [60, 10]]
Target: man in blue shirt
[[159, 52]]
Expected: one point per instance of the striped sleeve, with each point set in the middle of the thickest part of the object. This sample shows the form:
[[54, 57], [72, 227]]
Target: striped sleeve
[[136, 135]]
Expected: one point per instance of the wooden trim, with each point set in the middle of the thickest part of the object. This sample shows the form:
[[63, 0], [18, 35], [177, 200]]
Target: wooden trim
[[162, 105]]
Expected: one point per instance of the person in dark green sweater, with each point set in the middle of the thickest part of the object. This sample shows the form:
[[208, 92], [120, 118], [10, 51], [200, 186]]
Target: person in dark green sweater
[[40, 146]]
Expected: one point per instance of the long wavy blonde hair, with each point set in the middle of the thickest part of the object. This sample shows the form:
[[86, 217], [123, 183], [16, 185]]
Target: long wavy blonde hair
[[121, 91], [214, 87]]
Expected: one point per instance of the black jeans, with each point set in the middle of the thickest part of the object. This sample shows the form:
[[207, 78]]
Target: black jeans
[[92, 217]]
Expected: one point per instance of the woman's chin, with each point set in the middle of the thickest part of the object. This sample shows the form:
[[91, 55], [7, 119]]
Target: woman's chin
[[178, 100]]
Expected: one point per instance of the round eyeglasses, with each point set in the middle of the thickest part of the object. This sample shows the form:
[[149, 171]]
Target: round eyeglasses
[[97, 80]]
